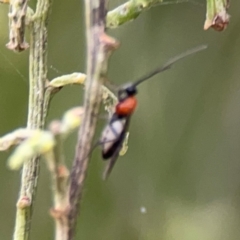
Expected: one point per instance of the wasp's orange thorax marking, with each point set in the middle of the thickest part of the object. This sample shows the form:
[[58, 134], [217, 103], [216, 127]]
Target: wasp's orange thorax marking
[[127, 106]]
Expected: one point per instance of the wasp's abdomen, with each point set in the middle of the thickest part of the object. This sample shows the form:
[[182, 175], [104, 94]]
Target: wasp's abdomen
[[112, 137]]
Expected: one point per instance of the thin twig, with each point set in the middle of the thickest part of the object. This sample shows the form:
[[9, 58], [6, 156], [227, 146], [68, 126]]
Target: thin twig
[[99, 48], [37, 81], [59, 175], [58, 170]]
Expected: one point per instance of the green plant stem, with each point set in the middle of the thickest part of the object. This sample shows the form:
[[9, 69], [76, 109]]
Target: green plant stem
[[128, 11], [99, 47], [37, 81]]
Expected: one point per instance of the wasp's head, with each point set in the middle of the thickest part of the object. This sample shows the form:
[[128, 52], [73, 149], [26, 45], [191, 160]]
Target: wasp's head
[[127, 91]]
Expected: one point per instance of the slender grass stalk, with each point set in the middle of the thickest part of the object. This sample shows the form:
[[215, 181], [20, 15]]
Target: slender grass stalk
[[37, 81]]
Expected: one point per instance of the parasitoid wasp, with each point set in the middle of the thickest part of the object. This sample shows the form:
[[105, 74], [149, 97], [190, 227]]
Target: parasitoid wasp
[[114, 133]]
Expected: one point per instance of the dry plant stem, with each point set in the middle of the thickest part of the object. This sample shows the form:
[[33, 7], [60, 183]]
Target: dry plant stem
[[129, 11], [37, 79], [99, 47]]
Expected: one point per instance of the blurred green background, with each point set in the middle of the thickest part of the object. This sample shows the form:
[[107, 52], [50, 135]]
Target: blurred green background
[[180, 179]]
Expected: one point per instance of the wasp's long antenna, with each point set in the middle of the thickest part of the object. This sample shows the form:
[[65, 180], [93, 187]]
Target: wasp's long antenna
[[169, 64]]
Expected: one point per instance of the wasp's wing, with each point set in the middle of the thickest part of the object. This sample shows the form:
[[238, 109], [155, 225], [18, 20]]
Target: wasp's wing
[[118, 148], [111, 163], [112, 136]]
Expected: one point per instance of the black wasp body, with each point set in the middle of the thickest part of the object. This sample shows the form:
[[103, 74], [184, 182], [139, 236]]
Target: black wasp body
[[114, 133]]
